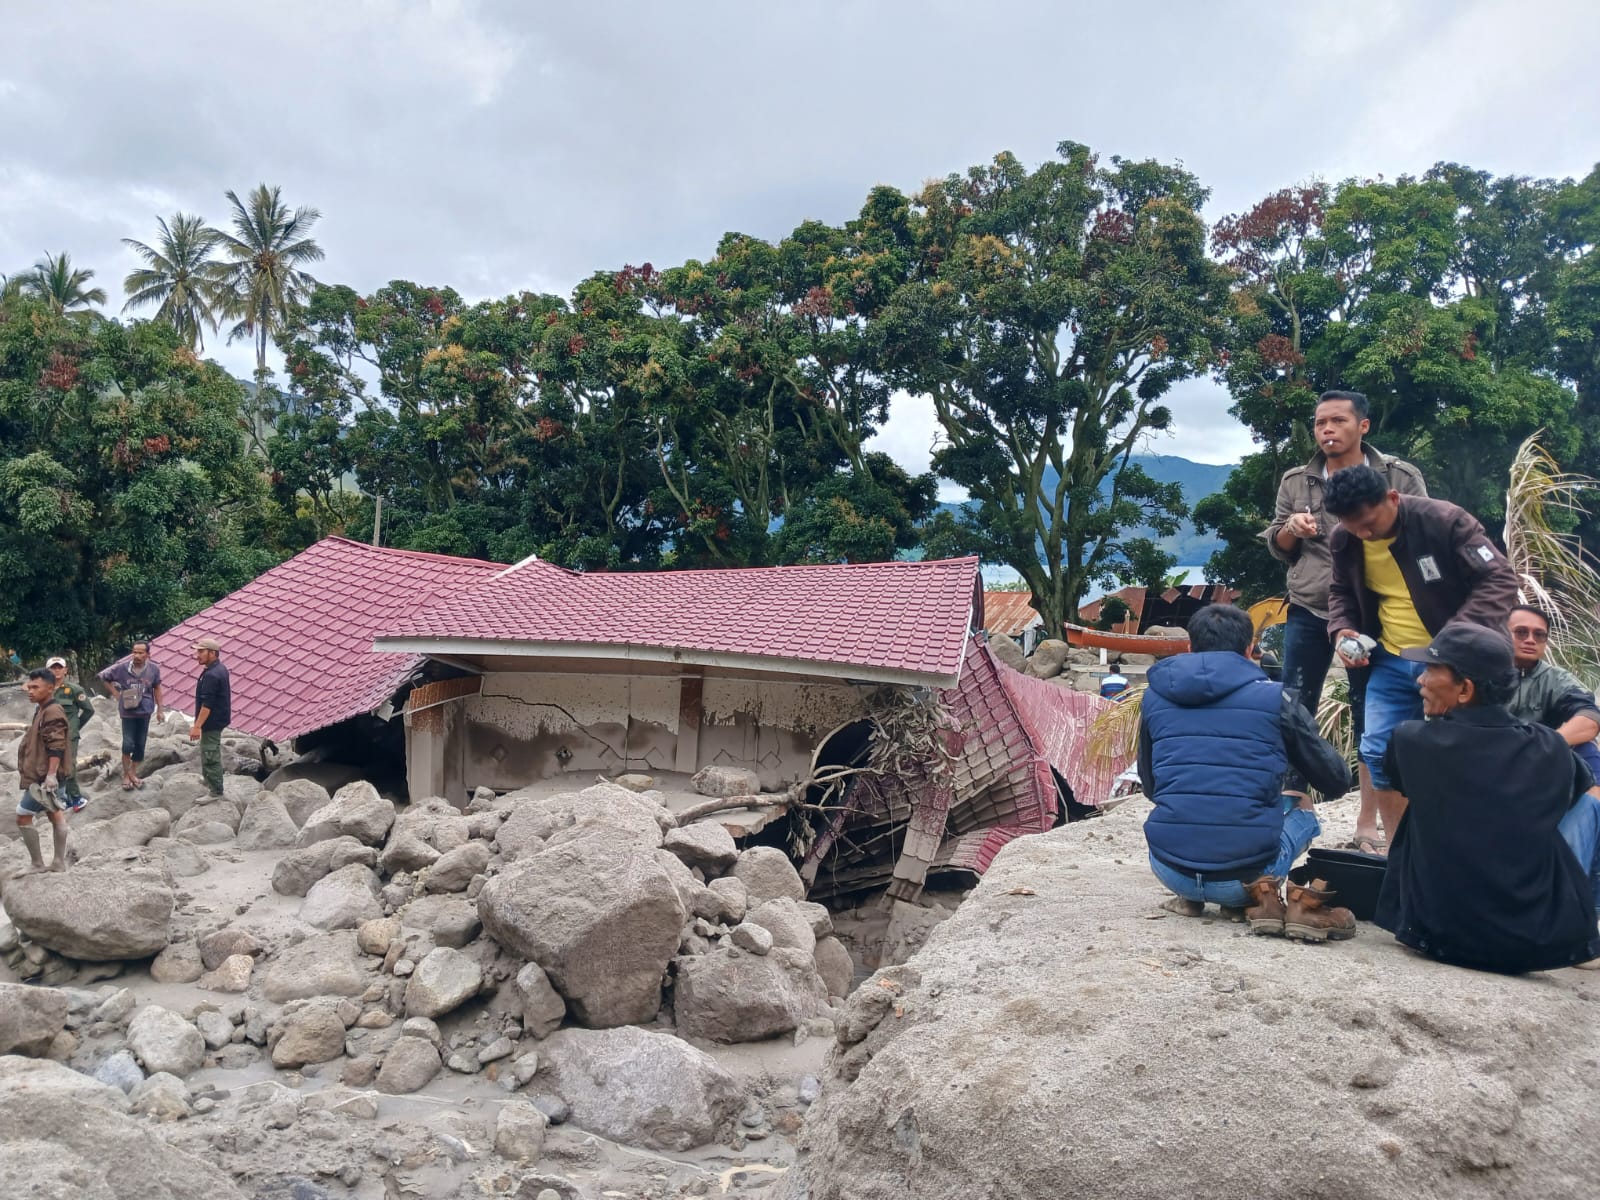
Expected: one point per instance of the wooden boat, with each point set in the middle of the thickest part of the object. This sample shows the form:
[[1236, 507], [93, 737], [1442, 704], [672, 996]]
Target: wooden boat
[[1124, 643]]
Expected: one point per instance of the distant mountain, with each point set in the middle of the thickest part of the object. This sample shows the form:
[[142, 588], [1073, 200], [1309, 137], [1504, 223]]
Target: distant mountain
[[1198, 480]]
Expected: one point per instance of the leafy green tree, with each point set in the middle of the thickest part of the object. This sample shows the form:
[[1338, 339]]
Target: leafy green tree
[[1047, 313], [857, 516], [262, 277], [127, 502], [179, 277], [62, 287], [1427, 294]]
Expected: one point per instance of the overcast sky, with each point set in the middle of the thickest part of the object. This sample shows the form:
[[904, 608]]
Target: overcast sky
[[499, 145]]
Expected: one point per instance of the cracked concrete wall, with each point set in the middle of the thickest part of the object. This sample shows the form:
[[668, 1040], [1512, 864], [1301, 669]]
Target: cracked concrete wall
[[527, 726]]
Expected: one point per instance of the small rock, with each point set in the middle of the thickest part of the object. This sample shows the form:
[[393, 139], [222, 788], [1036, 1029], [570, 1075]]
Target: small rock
[[163, 1097], [374, 937], [454, 871], [751, 938], [164, 1041], [704, 844], [443, 981], [420, 1027], [178, 963], [315, 1034], [222, 944], [543, 1009], [726, 781], [215, 1028], [555, 1109], [232, 976], [120, 1071], [519, 1131], [117, 1007], [496, 1050], [462, 1063], [410, 1064]]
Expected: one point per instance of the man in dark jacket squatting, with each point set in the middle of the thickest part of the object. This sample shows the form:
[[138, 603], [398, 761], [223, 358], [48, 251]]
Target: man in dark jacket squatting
[[1215, 738]]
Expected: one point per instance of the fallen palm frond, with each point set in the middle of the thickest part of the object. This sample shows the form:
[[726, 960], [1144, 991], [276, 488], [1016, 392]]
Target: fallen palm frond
[[1114, 733], [1334, 721], [1556, 573]]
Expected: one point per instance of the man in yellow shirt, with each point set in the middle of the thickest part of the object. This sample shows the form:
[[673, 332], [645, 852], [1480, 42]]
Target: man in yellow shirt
[[1404, 567]]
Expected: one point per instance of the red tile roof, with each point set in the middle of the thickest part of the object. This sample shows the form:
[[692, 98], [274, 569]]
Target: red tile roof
[[297, 641], [1010, 613], [891, 620]]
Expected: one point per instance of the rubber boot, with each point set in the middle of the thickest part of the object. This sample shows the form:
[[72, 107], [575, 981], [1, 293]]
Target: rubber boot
[[58, 835], [30, 839], [1266, 911], [1310, 917]]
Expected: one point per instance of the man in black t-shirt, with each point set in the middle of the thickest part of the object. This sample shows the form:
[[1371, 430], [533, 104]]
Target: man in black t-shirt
[[213, 709]]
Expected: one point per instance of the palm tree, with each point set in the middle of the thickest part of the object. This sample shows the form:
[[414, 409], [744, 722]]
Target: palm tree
[[180, 276], [263, 283], [53, 280]]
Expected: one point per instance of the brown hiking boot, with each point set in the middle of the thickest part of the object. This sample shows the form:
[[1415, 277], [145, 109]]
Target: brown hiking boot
[[1311, 919], [1266, 911]]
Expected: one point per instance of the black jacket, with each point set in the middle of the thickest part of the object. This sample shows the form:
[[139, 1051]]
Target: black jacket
[[214, 690], [1451, 568], [1478, 871]]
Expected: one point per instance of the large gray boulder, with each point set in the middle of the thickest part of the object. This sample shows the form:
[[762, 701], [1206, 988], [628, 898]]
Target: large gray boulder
[[454, 871], [602, 919], [768, 874], [704, 844], [163, 1041], [30, 1018], [266, 824], [731, 996], [640, 1088], [120, 908], [1048, 658], [124, 832], [300, 798], [342, 899], [65, 1137], [604, 811], [181, 791], [1173, 1057], [435, 822], [785, 921], [329, 964], [448, 920], [356, 810], [296, 871]]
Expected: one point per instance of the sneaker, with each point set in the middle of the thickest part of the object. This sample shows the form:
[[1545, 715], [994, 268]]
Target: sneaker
[[76, 803]]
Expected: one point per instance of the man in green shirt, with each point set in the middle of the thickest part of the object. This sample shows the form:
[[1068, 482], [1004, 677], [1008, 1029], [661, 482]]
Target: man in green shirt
[[79, 709]]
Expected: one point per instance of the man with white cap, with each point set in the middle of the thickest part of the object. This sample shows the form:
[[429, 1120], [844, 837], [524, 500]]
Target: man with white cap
[[213, 709], [79, 708]]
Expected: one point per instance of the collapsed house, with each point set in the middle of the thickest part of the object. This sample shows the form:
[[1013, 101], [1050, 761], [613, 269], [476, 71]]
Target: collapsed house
[[504, 677]]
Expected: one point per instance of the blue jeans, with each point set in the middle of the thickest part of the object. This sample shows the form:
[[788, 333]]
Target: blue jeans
[[1581, 829], [1392, 697], [1300, 829]]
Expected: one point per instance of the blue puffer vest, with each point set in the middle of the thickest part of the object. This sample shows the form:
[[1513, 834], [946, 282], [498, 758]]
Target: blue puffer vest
[[1216, 750]]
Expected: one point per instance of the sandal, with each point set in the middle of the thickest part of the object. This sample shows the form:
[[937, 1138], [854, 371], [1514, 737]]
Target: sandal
[[1377, 847]]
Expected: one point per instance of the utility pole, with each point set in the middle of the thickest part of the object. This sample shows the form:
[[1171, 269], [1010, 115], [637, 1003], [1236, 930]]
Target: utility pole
[[377, 521]]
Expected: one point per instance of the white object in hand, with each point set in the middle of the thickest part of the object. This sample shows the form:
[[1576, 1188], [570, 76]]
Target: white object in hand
[[1357, 649]]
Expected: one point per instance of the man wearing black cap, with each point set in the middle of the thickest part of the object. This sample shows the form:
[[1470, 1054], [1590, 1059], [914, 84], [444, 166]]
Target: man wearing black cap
[[1496, 862]]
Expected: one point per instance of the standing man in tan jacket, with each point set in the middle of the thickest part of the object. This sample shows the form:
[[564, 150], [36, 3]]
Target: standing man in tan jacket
[[1298, 536], [39, 760]]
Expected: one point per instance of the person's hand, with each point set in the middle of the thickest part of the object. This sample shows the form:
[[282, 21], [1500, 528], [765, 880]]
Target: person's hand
[[50, 782], [1302, 525], [1347, 662], [194, 732], [161, 714]]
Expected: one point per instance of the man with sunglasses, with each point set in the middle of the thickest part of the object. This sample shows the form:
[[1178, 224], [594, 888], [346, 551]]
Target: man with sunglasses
[[1548, 695]]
